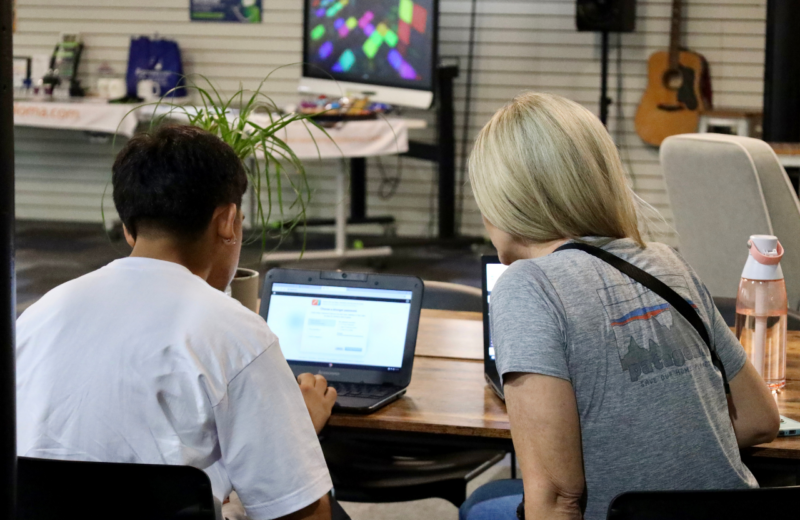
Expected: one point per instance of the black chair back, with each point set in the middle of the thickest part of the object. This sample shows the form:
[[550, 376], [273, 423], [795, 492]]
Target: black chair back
[[451, 297], [706, 505], [50, 489]]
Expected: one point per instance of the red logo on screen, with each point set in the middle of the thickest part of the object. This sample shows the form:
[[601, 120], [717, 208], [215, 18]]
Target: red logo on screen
[[315, 302]]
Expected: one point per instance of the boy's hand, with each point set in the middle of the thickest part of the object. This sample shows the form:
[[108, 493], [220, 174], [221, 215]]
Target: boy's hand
[[319, 398]]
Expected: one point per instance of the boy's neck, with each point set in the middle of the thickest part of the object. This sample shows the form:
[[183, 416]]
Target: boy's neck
[[165, 248]]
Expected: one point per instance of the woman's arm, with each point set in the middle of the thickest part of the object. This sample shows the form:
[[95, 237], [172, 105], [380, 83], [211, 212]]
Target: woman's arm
[[547, 438], [752, 408]]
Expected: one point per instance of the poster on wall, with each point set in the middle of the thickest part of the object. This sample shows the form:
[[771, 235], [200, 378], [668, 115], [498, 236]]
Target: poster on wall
[[236, 11]]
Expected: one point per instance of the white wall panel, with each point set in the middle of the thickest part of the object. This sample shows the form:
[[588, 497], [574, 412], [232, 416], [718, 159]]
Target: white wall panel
[[521, 44]]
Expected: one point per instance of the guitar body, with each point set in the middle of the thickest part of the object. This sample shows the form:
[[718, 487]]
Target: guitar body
[[674, 98]]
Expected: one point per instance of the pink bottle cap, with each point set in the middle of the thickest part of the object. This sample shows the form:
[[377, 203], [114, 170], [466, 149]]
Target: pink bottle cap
[[763, 259]]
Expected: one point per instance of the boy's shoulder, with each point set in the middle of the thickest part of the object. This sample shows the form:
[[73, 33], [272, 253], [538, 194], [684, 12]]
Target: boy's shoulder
[[121, 291]]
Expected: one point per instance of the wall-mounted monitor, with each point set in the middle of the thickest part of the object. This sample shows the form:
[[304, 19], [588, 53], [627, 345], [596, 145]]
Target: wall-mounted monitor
[[385, 47]]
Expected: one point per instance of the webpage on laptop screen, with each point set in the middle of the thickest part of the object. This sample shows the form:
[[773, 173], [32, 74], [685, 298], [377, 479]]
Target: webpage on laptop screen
[[493, 272], [340, 326]]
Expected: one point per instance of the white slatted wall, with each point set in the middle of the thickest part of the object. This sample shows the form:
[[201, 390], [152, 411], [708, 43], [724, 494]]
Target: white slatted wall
[[521, 44]]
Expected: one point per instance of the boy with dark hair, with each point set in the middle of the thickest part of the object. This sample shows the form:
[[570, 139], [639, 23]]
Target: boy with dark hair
[[146, 360]]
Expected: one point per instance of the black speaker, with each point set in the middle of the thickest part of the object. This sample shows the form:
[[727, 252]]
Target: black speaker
[[606, 15], [782, 72]]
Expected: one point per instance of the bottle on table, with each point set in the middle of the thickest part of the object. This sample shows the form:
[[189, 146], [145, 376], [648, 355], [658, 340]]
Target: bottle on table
[[761, 310]]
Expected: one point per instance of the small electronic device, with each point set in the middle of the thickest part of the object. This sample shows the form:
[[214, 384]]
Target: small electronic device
[[22, 71], [789, 427], [491, 269], [386, 49], [358, 330], [64, 64]]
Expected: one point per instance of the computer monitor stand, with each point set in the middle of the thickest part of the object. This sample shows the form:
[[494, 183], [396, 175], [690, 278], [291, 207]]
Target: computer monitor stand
[[442, 152]]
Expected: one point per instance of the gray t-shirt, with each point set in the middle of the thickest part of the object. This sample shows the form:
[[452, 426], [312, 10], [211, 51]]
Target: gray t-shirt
[[652, 407]]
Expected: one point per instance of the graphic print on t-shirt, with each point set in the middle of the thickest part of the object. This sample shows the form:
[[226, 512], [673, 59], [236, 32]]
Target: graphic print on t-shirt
[[642, 322]]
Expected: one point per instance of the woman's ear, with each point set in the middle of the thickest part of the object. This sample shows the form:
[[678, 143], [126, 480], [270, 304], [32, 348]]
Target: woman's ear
[[225, 216], [128, 237]]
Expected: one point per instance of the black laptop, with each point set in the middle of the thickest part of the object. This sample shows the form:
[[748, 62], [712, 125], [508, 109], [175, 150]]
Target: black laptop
[[358, 330], [491, 269]]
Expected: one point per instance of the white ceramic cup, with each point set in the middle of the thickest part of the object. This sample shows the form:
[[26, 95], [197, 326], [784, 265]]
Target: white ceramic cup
[[244, 288], [102, 87], [117, 88], [148, 90]]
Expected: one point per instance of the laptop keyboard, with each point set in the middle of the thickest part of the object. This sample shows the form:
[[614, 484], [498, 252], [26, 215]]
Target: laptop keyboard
[[362, 389]]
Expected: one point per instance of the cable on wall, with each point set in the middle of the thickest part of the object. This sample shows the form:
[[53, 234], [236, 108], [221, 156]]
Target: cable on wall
[[465, 134], [389, 184]]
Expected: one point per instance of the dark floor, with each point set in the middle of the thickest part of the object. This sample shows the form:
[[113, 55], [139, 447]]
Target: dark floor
[[49, 254]]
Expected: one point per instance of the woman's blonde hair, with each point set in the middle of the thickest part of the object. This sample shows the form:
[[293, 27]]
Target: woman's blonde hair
[[544, 168]]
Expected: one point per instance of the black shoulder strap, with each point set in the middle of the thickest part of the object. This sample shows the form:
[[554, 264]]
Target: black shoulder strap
[[661, 289]]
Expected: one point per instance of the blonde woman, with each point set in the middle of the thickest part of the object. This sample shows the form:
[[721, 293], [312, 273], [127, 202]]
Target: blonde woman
[[609, 388]]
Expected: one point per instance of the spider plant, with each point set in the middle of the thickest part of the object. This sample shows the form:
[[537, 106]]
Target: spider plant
[[268, 160]]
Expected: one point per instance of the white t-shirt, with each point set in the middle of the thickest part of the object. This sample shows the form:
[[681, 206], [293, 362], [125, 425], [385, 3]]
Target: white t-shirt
[[142, 361]]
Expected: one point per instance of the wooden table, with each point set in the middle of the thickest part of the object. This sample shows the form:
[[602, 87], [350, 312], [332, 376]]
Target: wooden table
[[448, 397]]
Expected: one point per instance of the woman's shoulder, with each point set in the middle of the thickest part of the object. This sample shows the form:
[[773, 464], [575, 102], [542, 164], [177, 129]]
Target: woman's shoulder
[[625, 248], [524, 280]]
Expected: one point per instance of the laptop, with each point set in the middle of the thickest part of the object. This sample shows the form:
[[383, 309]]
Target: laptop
[[789, 427], [491, 269], [358, 330]]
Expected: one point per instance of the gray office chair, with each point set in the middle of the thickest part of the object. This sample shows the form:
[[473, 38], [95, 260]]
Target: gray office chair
[[722, 189], [705, 505], [451, 297]]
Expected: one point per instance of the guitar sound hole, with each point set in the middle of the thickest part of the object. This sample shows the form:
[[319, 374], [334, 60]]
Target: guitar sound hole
[[673, 79]]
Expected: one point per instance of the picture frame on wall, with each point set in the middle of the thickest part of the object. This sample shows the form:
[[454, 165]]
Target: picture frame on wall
[[230, 11]]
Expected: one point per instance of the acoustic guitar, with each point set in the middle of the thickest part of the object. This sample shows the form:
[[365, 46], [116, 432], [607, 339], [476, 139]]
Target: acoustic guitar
[[678, 89]]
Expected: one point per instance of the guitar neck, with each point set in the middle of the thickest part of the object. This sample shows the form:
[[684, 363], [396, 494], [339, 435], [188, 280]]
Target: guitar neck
[[675, 34]]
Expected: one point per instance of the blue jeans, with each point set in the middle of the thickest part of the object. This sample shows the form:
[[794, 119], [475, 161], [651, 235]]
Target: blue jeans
[[496, 500]]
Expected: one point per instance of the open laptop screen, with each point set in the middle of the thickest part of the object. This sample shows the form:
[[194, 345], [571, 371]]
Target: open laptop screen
[[492, 269], [493, 272], [345, 327]]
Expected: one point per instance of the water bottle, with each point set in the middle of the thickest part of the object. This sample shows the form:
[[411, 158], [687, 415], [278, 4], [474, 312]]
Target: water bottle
[[761, 310]]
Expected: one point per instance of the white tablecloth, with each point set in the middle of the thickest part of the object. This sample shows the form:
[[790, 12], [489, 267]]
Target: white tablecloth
[[351, 139], [93, 117]]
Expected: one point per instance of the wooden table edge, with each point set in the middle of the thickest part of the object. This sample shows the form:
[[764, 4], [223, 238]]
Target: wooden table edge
[[765, 451], [356, 422]]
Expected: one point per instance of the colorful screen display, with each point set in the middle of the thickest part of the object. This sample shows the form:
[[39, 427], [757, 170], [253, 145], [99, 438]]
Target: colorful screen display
[[380, 42]]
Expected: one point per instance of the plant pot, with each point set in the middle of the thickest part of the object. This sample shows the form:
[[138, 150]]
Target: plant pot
[[244, 288]]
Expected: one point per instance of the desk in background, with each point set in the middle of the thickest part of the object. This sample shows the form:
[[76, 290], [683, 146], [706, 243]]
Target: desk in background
[[448, 401], [353, 140], [788, 154]]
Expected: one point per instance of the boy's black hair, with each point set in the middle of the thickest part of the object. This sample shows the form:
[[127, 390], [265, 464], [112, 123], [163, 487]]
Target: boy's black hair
[[172, 180]]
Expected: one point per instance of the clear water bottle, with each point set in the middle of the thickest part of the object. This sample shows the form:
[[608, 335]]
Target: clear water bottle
[[761, 310]]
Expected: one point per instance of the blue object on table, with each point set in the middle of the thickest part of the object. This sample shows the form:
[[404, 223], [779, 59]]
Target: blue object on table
[[158, 60]]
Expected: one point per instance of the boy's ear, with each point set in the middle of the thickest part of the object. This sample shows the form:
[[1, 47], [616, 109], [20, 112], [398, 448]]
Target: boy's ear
[[128, 237], [225, 217]]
